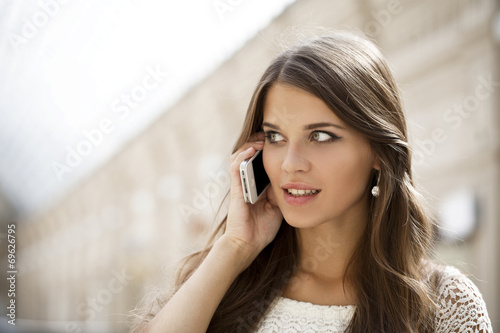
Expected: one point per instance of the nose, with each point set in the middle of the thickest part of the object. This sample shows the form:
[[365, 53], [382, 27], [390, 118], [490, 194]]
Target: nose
[[295, 160]]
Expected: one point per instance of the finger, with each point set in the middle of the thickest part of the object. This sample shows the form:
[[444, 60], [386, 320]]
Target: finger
[[257, 136], [255, 145], [236, 187]]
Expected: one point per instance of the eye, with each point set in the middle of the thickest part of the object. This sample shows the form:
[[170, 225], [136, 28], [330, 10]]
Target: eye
[[324, 137], [271, 136]]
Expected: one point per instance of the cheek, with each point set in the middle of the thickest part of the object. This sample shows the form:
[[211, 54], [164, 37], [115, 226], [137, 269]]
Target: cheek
[[269, 161], [272, 165], [346, 177]]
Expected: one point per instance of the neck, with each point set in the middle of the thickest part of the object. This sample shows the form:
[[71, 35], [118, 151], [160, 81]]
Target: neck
[[325, 250], [324, 254]]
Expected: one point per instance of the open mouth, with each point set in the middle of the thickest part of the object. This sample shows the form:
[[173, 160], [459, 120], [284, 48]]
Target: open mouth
[[300, 193]]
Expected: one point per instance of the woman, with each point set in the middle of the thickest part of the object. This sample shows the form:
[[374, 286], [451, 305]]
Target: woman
[[348, 254]]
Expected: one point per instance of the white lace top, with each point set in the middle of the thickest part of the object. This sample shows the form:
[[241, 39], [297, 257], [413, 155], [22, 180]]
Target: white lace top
[[462, 305]]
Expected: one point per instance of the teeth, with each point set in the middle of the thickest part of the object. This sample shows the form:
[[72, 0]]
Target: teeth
[[298, 193]]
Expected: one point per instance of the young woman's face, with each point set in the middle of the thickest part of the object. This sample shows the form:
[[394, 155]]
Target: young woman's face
[[302, 150]]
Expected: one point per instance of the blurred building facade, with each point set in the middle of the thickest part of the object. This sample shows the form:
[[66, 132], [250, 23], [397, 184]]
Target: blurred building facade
[[87, 261]]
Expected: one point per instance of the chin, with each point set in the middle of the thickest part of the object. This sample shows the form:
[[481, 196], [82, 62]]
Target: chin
[[301, 223]]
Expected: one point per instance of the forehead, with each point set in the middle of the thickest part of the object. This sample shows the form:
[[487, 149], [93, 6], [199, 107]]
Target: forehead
[[287, 105]]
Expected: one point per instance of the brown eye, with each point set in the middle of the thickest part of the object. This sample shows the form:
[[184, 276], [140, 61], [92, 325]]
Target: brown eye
[[317, 136], [323, 137], [271, 136]]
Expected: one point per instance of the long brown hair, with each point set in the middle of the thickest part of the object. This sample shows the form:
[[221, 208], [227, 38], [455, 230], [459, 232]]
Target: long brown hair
[[389, 268]]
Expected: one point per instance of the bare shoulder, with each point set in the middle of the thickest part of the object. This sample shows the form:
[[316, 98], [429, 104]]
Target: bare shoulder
[[461, 305]]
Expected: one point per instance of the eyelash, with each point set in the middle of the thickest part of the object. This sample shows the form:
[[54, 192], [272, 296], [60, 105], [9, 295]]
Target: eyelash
[[332, 139]]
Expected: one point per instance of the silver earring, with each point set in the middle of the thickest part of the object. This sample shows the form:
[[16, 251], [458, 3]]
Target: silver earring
[[376, 189]]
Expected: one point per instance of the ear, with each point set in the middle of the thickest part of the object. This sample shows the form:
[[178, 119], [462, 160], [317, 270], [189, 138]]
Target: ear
[[376, 163]]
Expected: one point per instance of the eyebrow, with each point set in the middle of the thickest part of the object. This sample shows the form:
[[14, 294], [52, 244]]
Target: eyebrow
[[308, 127]]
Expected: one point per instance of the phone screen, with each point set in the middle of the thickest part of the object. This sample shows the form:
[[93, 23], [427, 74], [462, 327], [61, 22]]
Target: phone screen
[[261, 178]]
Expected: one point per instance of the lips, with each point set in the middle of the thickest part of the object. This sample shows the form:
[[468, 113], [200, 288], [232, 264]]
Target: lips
[[299, 187]]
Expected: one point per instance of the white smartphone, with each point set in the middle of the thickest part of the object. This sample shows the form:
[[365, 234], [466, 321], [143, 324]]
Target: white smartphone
[[254, 179]]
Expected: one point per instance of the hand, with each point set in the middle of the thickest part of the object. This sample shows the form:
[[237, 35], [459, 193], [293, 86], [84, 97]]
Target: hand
[[250, 227]]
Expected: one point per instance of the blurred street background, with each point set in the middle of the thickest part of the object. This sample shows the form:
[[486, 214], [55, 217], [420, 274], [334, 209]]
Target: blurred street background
[[117, 120]]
